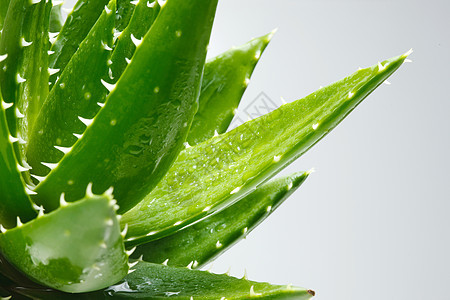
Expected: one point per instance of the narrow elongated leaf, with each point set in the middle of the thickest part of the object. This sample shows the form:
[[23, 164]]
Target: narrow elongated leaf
[[141, 21], [56, 19], [77, 248], [151, 281], [77, 94], [247, 156], [137, 135], [207, 239], [33, 70], [14, 200], [11, 50], [224, 82], [77, 26], [23, 67]]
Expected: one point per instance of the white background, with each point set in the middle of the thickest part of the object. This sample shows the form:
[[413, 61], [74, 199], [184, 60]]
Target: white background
[[373, 221]]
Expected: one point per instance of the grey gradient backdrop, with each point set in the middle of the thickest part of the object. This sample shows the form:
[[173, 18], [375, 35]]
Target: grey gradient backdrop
[[373, 221]]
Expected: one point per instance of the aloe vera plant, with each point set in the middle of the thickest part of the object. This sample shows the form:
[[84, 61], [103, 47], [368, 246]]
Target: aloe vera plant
[[119, 174]]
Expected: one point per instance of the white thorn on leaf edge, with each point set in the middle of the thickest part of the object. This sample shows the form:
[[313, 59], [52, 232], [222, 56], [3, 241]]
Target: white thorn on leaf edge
[[135, 40], [89, 190], [49, 165], [64, 150], [130, 252], [62, 200], [19, 222], [30, 192], [252, 292], [107, 85], [6, 105], [86, 122], [3, 57], [24, 43], [124, 231]]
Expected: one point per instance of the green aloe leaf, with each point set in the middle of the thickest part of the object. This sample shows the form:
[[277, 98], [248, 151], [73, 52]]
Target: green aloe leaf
[[143, 17], [224, 82], [14, 200], [125, 10], [77, 26], [139, 132], [200, 243], [245, 157], [77, 248], [76, 94], [33, 72], [151, 281]]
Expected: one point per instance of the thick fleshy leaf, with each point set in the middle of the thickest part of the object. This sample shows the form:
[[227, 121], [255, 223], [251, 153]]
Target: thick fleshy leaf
[[76, 94], [224, 82], [11, 50], [139, 132], [141, 21], [151, 281], [200, 243], [216, 173], [77, 248], [14, 199], [77, 26], [33, 72]]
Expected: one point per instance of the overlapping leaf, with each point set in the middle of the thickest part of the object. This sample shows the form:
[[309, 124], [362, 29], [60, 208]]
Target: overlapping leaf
[[207, 239], [137, 135], [220, 171], [77, 248], [151, 281], [77, 94]]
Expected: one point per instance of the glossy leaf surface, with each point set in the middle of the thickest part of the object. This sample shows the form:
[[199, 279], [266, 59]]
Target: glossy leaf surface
[[77, 26], [207, 239], [14, 200], [77, 248], [76, 94], [151, 281], [142, 18], [137, 135], [218, 172]]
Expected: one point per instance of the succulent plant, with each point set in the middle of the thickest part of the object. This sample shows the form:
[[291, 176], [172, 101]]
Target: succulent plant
[[114, 136]]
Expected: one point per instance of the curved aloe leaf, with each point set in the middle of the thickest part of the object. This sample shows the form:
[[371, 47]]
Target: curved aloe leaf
[[224, 82], [76, 94], [247, 156], [32, 70], [77, 248], [151, 281], [207, 239], [77, 26], [14, 200], [137, 135], [141, 21], [23, 74], [11, 50]]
